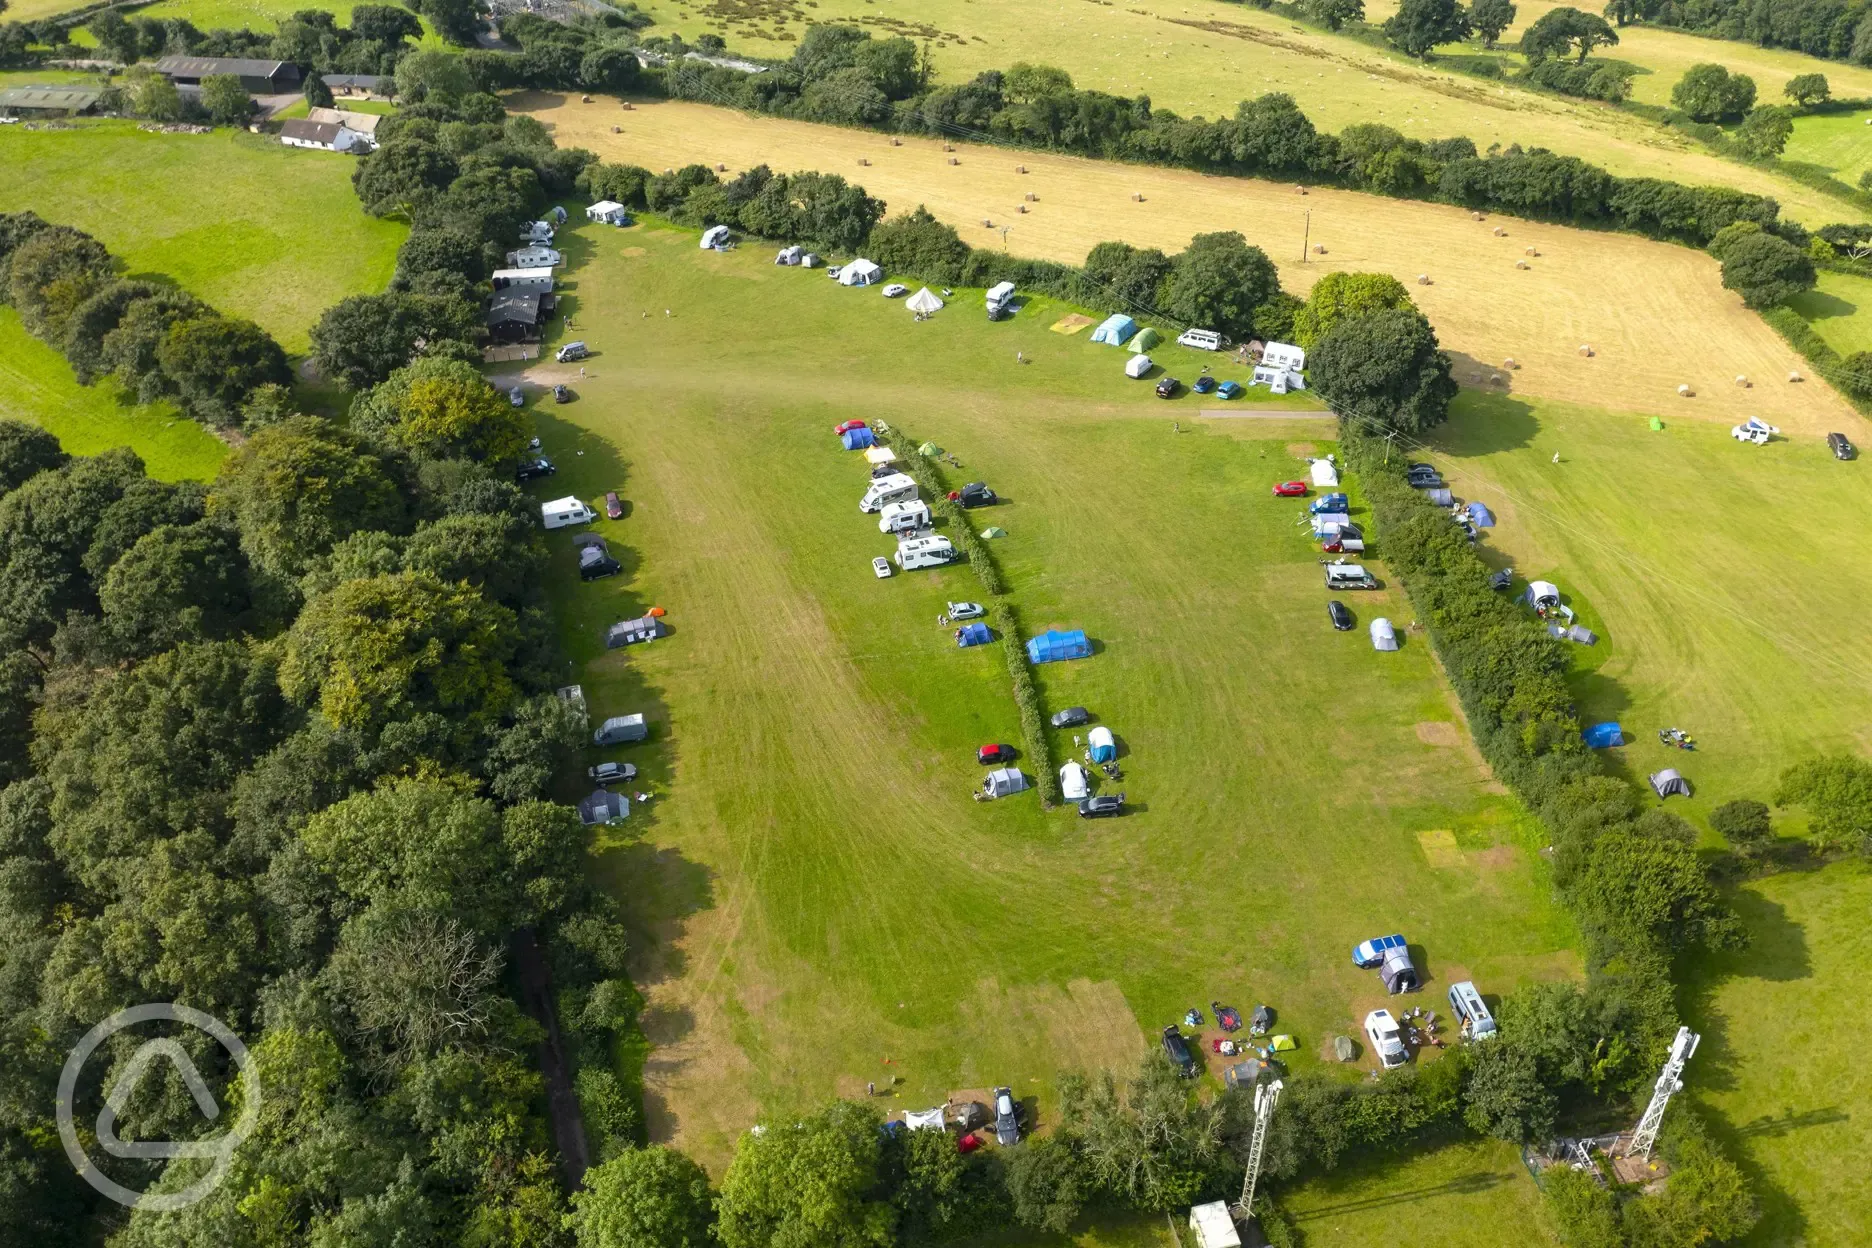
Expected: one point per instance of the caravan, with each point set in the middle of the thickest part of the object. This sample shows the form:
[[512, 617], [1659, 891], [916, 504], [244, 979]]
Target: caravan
[[904, 517], [564, 512], [893, 488], [924, 552]]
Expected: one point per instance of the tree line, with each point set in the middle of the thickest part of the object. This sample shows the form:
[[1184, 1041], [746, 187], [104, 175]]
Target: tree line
[[1839, 30]]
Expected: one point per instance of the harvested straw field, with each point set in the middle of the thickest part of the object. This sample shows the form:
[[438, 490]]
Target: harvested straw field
[[1654, 314]]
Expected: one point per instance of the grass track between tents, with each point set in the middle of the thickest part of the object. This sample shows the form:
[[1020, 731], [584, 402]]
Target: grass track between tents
[[254, 228], [819, 903], [1664, 321]]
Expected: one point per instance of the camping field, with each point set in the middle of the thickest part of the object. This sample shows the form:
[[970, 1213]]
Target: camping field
[[1670, 323], [255, 228], [826, 907]]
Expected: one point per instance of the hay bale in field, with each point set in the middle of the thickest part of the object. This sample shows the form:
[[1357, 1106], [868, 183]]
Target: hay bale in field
[[948, 147], [584, 99], [954, 161], [1500, 233], [1531, 252], [724, 168], [617, 129], [668, 172], [1743, 381], [1031, 198], [896, 142], [1423, 279], [1510, 364], [1480, 216], [1319, 249], [1794, 376], [1586, 350], [1685, 392], [1136, 197], [629, 107], [1522, 264], [1021, 208], [1300, 190], [987, 224], [1020, 168], [865, 161]]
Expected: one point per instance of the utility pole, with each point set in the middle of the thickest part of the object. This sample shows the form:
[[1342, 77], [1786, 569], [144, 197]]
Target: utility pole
[[1389, 441], [1670, 1082], [1265, 1096], [1306, 238], [1004, 234]]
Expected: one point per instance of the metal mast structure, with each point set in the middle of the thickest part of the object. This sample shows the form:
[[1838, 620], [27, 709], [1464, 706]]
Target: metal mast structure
[[1669, 1083], [1265, 1096]]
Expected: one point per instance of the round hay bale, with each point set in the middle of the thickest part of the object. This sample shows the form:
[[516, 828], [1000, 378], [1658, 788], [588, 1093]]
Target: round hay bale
[[1522, 264], [1032, 198], [1531, 252], [1300, 190], [1500, 233], [987, 224], [1423, 279], [1319, 249], [896, 142], [584, 99], [617, 129], [1685, 392], [1136, 198], [948, 147], [1586, 350], [629, 107], [1021, 208], [724, 168], [668, 172], [1743, 381], [1795, 376], [865, 161], [954, 161], [1510, 364], [1480, 216], [1020, 168]]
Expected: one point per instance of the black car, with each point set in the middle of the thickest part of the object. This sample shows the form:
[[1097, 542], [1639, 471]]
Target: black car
[[1168, 387], [1840, 446], [562, 394], [1177, 1049], [1102, 806], [1007, 1117], [1340, 617], [531, 469], [1071, 717], [595, 562], [976, 494]]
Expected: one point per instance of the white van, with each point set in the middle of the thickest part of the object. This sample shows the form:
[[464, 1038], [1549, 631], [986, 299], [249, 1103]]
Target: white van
[[562, 513], [896, 487], [1201, 339], [1349, 576], [924, 552], [571, 351], [1468, 1006], [904, 517], [1000, 295]]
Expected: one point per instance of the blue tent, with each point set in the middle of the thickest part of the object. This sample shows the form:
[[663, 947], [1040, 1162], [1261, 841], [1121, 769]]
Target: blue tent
[[1054, 645], [1599, 736], [857, 439], [975, 634], [1117, 330], [1480, 516]]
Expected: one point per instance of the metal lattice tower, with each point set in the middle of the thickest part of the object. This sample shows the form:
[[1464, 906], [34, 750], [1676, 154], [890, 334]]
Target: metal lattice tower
[[1265, 1096], [1669, 1083]]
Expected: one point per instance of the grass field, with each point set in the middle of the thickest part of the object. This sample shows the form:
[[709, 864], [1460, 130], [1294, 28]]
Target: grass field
[[1719, 611], [1664, 320], [1471, 1193], [820, 903], [1840, 310], [36, 384], [1780, 1063], [1841, 142], [256, 229]]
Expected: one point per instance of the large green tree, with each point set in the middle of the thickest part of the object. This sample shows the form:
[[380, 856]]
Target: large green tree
[[644, 1198], [1709, 92], [1490, 18], [214, 361], [1836, 792], [1563, 31], [25, 451], [1420, 25], [1340, 295], [1384, 371], [1218, 281], [297, 488], [361, 340], [1766, 270], [178, 583], [226, 100], [809, 1179], [444, 409]]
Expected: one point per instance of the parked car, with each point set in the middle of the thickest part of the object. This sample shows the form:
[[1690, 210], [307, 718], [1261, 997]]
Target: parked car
[[1102, 806], [993, 755], [1369, 953], [595, 563], [614, 506], [966, 611], [613, 773], [1177, 1049], [1071, 717], [1203, 384], [1328, 503], [896, 290], [1290, 489], [562, 394], [881, 567], [976, 494], [1341, 617], [570, 352], [532, 469], [1007, 1117], [884, 470], [1387, 1040], [1168, 387], [846, 426], [1841, 448], [515, 397], [1229, 390]]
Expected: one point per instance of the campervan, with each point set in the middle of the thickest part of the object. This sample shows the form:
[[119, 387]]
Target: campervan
[[562, 513], [1201, 339], [906, 517], [1477, 1022], [924, 552], [1000, 299], [895, 488], [1349, 576], [620, 730], [571, 351]]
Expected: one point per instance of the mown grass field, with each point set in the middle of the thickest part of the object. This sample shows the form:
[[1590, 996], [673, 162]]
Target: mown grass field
[[1780, 1065], [820, 903], [1655, 314], [1841, 142], [1840, 310], [255, 228]]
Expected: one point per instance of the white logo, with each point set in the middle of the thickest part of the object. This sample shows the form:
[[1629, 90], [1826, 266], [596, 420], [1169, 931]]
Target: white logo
[[220, 1148]]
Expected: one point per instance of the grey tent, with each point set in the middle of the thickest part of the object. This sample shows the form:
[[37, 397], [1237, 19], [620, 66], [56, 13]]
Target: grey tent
[[1398, 972], [1261, 1020], [1343, 1048], [1383, 636], [1584, 636], [1002, 781], [603, 807], [590, 539], [1669, 781], [629, 632], [1441, 497], [1243, 1074]]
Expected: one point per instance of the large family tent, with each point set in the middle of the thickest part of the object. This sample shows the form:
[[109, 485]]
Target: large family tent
[[929, 450], [631, 632], [713, 237], [1137, 366], [1101, 746], [1542, 594], [1599, 736], [857, 439], [1669, 781], [1480, 516], [1383, 636], [975, 634], [924, 302], [924, 1119], [603, 807], [1117, 330], [1145, 339], [860, 272], [1399, 973], [1440, 496], [1324, 474], [1002, 781], [1055, 644]]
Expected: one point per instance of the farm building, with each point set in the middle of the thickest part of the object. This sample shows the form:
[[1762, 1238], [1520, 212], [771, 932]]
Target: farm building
[[608, 212], [1055, 645], [259, 77], [323, 136], [515, 316], [360, 84], [364, 123], [535, 257], [48, 101]]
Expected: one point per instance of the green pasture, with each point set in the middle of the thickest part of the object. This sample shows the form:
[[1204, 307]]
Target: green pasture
[[1779, 1070], [1465, 1194], [255, 228], [1840, 310], [819, 902], [1720, 608], [1841, 142]]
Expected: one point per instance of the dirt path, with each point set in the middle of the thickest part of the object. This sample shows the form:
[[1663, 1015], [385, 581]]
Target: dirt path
[[562, 1105]]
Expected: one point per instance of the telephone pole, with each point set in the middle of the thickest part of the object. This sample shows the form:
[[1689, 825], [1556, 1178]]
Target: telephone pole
[[1306, 238], [1265, 1096]]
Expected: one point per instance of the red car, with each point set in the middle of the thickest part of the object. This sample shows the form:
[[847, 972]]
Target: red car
[[614, 506], [848, 426], [1290, 489], [991, 754]]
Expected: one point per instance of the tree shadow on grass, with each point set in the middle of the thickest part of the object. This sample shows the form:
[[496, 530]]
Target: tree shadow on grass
[[1462, 1185], [1819, 305], [1481, 423]]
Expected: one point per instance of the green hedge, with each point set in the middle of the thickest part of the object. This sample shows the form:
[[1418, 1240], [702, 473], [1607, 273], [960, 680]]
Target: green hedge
[[1824, 359], [1027, 698], [935, 486]]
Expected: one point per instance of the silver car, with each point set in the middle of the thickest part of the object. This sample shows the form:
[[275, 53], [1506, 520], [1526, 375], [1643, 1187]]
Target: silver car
[[1007, 1117], [613, 773]]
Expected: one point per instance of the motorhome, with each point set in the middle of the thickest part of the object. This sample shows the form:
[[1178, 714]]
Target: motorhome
[[1201, 339], [924, 552], [562, 513], [904, 517], [1000, 300], [1349, 576], [895, 488], [1476, 1021]]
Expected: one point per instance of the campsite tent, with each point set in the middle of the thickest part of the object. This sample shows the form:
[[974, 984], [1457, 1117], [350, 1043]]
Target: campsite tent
[[1480, 516], [603, 807], [880, 455], [1100, 746], [1324, 474], [1002, 781], [1117, 330], [1260, 1020], [1343, 1048], [1243, 1074], [974, 634], [1398, 972], [1584, 636], [1073, 781], [1137, 366], [1599, 736], [714, 237], [1542, 594], [787, 256], [929, 450], [860, 272], [1669, 781], [629, 632], [1145, 339], [1383, 636], [608, 212], [1441, 496], [1283, 355], [924, 302], [858, 439], [1055, 645], [924, 1119], [994, 531]]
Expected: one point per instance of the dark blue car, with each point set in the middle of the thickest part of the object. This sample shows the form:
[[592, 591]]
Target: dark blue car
[[1370, 953], [1203, 384]]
